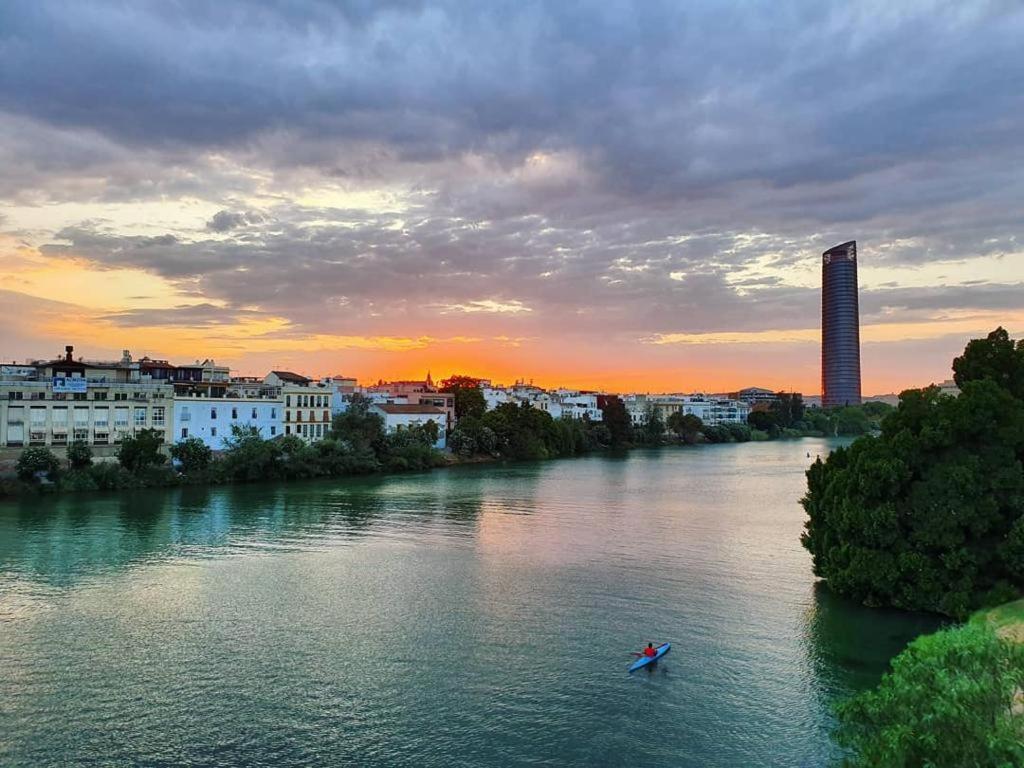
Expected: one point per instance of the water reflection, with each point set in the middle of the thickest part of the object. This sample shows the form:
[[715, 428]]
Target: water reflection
[[849, 645], [60, 540]]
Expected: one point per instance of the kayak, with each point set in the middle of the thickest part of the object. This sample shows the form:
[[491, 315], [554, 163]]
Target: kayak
[[643, 661]]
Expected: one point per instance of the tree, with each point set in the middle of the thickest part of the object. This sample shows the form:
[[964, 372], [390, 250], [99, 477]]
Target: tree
[[653, 427], [686, 425], [766, 421], [616, 418], [929, 515], [995, 358], [468, 397], [79, 455], [947, 703], [247, 456], [193, 455], [142, 450], [357, 427], [852, 421], [35, 462], [788, 409]]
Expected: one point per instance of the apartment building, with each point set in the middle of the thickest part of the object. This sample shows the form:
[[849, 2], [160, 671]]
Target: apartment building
[[53, 403]]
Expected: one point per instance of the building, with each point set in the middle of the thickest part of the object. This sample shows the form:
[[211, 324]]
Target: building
[[211, 419], [840, 327], [53, 403], [710, 410], [307, 411], [398, 417]]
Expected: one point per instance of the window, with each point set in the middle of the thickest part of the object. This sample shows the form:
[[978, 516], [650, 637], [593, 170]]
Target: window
[[273, 429], [254, 413], [37, 396], [121, 418], [37, 416], [99, 395], [273, 413], [99, 418], [140, 417], [213, 413], [234, 413], [59, 417], [14, 395], [213, 431], [287, 430], [158, 416], [287, 399], [185, 414], [184, 433], [79, 396], [120, 395]]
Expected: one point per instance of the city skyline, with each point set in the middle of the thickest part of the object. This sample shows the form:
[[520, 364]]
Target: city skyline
[[525, 191]]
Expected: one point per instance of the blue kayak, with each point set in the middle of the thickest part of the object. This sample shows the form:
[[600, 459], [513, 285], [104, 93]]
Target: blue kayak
[[643, 661]]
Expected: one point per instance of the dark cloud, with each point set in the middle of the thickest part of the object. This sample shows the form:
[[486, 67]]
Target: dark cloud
[[225, 221], [639, 167]]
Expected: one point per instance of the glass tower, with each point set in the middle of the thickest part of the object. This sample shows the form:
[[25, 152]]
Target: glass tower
[[840, 327]]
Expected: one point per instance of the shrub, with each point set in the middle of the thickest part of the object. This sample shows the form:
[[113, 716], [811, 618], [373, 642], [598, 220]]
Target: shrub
[[79, 455], [35, 463], [192, 454], [947, 703], [141, 450]]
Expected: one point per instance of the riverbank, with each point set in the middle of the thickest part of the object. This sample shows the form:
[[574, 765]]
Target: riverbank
[[252, 459]]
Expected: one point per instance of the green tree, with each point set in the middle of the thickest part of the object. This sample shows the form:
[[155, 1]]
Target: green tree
[[653, 428], [928, 515], [79, 455], [995, 358], [947, 703], [193, 455], [852, 421], [142, 450], [788, 409], [247, 456], [357, 426], [468, 397], [36, 462], [616, 418], [686, 426], [766, 421]]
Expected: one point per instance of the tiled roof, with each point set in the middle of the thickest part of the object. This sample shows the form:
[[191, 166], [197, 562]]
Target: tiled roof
[[292, 377]]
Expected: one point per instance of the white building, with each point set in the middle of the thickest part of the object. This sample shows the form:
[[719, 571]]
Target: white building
[[211, 419], [397, 417], [710, 410]]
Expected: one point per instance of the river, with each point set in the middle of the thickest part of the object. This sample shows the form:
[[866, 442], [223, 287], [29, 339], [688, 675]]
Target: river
[[477, 616]]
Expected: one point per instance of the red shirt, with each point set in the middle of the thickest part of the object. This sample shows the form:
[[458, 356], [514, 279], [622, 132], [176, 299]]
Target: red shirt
[[650, 652]]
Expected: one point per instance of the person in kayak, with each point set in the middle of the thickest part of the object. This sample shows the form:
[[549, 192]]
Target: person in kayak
[[649, 650]]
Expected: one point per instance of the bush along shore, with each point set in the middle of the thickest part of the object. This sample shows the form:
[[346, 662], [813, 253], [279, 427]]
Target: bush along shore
[[358, 445], [929, 515]]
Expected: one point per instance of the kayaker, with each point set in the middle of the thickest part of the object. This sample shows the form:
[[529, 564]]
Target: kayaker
[[649, 650]]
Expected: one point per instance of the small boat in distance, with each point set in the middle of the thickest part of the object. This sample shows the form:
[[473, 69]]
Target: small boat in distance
[[643, 661]]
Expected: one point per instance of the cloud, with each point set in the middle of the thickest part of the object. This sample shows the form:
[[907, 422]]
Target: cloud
[[620, 170]]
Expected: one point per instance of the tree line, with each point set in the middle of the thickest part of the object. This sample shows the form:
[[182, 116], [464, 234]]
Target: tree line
[[356, 445]]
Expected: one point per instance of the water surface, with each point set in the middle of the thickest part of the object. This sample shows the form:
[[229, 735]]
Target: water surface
[[479, 616]]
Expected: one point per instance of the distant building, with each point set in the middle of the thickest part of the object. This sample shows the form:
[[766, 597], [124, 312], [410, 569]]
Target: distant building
[[398, 417], [307, 411], [840, 327]]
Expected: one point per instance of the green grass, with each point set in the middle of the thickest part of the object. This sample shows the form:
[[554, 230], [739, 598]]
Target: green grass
[[1008, 617]]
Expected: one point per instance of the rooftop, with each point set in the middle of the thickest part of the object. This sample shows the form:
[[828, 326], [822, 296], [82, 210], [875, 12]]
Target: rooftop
[[396, 409]]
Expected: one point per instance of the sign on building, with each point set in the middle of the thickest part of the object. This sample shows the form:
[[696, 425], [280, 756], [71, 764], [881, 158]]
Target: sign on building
[[69, 384]]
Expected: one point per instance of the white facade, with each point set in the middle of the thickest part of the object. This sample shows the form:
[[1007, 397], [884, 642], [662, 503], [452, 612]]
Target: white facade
[[210, 419], [398, 417], [710, 410]]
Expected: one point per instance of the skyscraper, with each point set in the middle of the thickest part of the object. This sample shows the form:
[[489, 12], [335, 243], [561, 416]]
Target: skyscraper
[[840, 327]]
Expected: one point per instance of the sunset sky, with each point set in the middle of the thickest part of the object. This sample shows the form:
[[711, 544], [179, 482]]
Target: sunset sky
[[633, 196]]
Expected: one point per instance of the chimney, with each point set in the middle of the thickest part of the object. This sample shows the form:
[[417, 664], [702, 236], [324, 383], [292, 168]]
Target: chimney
[[126, 357], [67, 353]]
